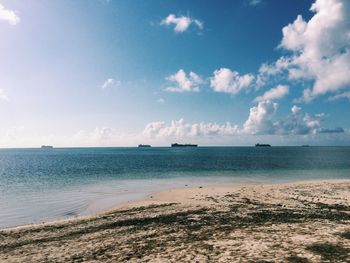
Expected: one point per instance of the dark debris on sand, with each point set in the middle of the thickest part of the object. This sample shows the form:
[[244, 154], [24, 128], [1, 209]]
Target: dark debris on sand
[[169, 231]]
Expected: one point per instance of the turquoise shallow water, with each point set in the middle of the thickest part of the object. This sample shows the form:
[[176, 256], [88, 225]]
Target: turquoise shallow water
[[45, 184]]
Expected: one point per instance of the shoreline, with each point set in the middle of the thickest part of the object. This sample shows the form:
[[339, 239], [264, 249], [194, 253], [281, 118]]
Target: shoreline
[[170, 195], [131, 203], [303, 220]]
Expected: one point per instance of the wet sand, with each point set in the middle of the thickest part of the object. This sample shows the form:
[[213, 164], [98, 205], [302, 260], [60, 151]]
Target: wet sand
[[293, 222]]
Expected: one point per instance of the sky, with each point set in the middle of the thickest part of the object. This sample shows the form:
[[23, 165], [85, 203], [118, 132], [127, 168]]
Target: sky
[[229, 73]]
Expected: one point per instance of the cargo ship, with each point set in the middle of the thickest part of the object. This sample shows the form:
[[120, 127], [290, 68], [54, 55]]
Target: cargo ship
[[262, 145], [144, 146], [46, 147], [183, 145]]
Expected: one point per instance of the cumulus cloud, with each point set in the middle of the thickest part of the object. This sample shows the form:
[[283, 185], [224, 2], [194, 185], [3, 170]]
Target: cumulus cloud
[[8, 16], [184, 82], [181, 23], [181, 129], [320, 48], [110, 83], [227, 81], [261, 121], [274, 94], [299, 124], [260, 118]]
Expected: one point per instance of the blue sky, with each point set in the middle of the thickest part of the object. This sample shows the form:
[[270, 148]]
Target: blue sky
[[119, 73]]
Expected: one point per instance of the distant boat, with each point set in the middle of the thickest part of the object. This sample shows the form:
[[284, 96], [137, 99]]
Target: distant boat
[[144, 146], [183, 145], [262, 145], [46, 146]]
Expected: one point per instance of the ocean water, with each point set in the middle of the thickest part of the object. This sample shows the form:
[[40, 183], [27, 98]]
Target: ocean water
[[44, 184]]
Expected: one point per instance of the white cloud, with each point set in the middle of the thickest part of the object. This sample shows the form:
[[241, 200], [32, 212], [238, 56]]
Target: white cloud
[[307, 96], [261, 121], [8, 15], [275, 93], [344, 95], [110, 83], [254, 2], [261, 125], [184, 82], [320, 47], [295, 109], [297, 124], [292, 33], [3, 95], [160, 100], [269, 72], [272, 69], [181, 23], [181, 129], [260, 118], [227, 81]]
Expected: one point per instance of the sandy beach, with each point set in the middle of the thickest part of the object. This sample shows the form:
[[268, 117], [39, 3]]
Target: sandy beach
[[293, 222]]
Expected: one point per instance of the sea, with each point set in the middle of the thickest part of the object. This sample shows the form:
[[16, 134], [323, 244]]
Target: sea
[[39, 185]]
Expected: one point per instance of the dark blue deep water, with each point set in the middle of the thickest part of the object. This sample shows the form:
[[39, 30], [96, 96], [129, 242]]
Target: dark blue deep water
[[42, 184]]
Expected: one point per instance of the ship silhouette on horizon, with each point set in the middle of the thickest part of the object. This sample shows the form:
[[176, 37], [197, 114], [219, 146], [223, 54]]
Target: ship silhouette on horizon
[[183, 145], [262, 145]]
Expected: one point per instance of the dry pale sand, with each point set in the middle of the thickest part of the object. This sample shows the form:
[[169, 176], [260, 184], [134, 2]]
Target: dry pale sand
[[295, 222]]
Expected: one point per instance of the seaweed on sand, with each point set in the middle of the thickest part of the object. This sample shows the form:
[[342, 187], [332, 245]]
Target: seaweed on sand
[[330, 252]]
